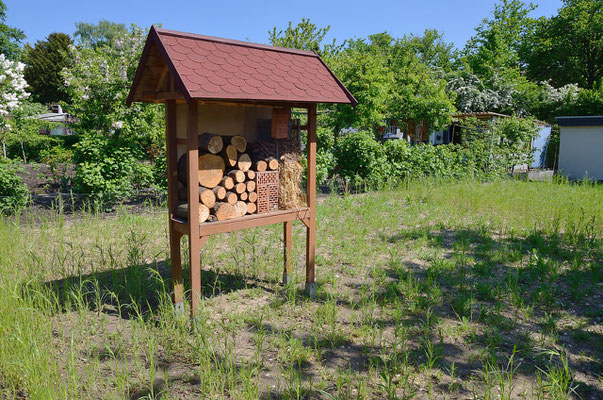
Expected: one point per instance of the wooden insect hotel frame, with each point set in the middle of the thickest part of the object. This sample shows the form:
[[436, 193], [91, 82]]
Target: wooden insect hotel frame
[[215, 90]]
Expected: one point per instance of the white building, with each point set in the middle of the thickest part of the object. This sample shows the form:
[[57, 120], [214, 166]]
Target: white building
[[581, 147]]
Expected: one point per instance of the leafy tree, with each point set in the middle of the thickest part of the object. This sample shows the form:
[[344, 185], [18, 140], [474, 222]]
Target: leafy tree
[[363, 70], [568, 47], [304, 36], [474, 95], [26, 125], [44, 63], [10, 37], [497, 41], [105, 33], [99, 83], [395, 78]]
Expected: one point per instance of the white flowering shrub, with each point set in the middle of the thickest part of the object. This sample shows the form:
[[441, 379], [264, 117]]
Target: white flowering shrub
[[99, 83], [12, 92], [12, 85], [473, 95]]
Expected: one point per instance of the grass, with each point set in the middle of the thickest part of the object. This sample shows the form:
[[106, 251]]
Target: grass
[[437, 289]]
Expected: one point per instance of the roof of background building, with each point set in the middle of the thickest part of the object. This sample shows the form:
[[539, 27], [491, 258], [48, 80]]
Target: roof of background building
[[594, 120]]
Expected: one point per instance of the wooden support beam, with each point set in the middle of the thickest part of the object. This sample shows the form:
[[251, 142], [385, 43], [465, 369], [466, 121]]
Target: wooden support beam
[[172, 156], [311, 195], [194, 243], [287, 252]]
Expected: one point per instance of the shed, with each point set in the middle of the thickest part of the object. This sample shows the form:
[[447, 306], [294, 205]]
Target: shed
[[228, 87], [581, 147]]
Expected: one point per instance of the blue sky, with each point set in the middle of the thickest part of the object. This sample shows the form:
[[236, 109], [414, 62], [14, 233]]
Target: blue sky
[[249, 20]]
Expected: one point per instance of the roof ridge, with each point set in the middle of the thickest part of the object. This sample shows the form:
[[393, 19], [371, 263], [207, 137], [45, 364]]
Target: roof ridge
[[235, 42]]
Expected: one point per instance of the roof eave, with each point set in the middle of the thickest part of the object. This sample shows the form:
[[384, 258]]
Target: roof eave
[[153, 37]]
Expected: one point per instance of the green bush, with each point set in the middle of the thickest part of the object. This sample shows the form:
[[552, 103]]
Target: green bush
[[107, 169], [33, 146], [361, 159], [13, 192], [58, 160]]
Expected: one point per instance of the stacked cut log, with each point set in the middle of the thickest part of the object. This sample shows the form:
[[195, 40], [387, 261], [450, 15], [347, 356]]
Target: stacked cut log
[[226, 176]]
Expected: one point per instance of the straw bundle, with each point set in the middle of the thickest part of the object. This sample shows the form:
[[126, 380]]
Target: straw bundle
[[290, 177]]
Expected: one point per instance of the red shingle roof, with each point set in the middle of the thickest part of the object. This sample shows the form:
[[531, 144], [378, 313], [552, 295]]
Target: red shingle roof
[[221, 69]]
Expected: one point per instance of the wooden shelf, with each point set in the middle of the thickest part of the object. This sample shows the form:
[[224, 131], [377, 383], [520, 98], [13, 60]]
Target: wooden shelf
[[248, 221]]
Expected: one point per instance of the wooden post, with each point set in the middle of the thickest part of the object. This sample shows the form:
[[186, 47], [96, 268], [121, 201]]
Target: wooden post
[[172, 177], [311, 195], [194, 242], [288, 251]]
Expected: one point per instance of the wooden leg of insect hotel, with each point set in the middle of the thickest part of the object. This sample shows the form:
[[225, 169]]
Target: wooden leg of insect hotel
[[311, 195], [172, 177], [288, 252], [194, 241]]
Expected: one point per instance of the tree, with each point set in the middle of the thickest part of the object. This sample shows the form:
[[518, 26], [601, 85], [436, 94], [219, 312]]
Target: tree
[[12, 92], [44, 64], [304, 36], [105, 33], [498, 40], [99, 83], [568, 47], [10, 37]]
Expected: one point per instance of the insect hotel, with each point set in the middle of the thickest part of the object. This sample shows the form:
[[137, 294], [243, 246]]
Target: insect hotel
[[233, 150]]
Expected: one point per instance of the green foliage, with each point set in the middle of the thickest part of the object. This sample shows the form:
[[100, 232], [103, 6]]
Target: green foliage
[[25, 132], [497, 147], [304, 36], [498, 40], [10, 37], [99, 83], [107, 169], [105, 33], [33, 146], [13, 193], [568, 47], [44, 63], [361, 158], [159, 169], [393, 78], [58, 160]]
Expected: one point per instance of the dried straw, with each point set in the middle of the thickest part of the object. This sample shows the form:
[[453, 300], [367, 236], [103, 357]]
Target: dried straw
[[290, 177]]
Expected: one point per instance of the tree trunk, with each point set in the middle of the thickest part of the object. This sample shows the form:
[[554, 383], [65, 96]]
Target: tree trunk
[[219, 192], [250, 186], [272, 163], [237, 175], [253, 197], [260, 165], [251, 208], [244, 162], [240, 187], [182, 212], [251, 174], [229, 154], [211, 143], [206, 196], [227, 183], [239, 142], [243, 196], [240, 208], [211, 170], [231, 197], [224, 211]]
